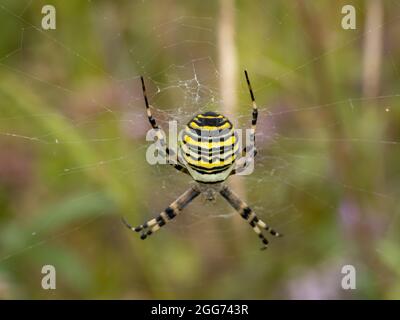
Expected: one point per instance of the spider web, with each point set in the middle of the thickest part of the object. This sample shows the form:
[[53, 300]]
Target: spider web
[[294, 175]]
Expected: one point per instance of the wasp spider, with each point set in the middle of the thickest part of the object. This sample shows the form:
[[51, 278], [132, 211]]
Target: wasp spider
[[207, 151]]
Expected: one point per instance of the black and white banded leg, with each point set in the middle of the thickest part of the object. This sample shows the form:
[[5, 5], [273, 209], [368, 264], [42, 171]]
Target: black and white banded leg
[[158, 132], [253, 120], [248, 214], [253, 100], [167, 215]]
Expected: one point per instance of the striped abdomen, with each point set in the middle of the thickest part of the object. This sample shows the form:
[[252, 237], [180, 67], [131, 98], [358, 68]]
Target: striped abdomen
[[208, 147]]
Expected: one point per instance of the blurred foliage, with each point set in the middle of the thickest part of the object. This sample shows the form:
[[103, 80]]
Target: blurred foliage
[[72, 151]]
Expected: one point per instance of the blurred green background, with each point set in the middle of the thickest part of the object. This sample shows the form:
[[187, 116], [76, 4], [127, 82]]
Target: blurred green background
[[72, 148]]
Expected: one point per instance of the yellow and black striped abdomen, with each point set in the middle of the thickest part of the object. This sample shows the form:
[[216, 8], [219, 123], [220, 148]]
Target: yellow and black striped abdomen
[[209, 146]]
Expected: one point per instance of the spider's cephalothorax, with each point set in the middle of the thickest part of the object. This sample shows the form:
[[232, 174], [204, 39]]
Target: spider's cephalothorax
[[208, 148]]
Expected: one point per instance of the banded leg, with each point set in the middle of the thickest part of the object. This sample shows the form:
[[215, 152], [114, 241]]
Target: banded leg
[[157, 129], [255, 109], [254, 116], [248, 214], [253, 100], [249, 152], [167, 215]]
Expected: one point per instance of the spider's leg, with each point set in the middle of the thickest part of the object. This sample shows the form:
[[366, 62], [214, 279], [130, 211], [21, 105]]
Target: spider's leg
[[146, 101], [158, 131], [248, 214], [253, 100], [249, 152], [152, 121], [253, 120], [168, 214]]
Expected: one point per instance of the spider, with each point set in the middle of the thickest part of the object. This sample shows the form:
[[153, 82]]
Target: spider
[[207, 151]]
